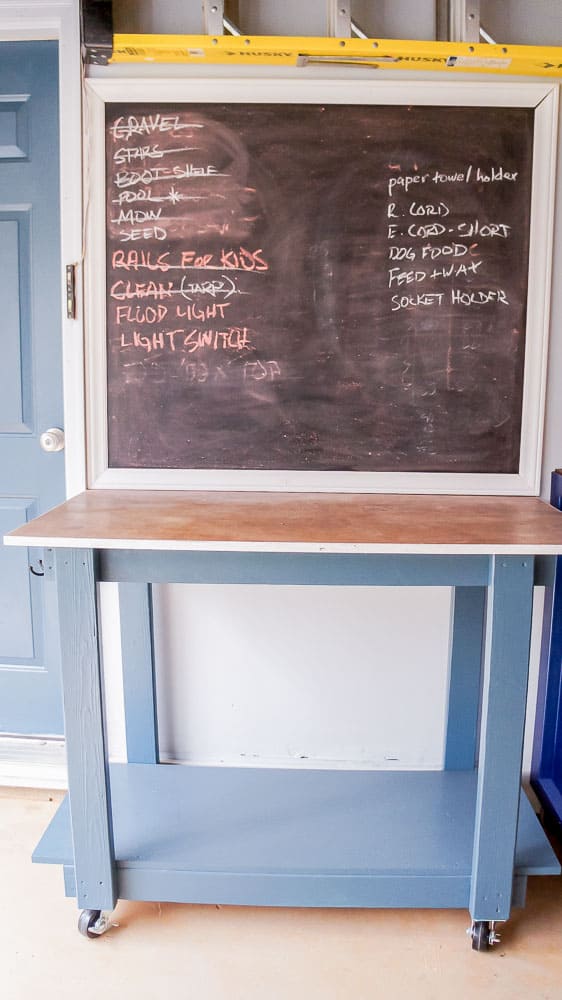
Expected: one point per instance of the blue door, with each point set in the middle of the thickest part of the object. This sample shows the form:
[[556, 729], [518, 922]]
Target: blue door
[[31, 479]]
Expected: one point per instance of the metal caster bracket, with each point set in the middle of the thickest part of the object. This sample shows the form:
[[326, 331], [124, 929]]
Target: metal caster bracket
[[94, 923], [483, 934]]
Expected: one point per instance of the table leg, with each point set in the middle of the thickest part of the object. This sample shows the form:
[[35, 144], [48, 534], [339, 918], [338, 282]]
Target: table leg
[[467, 634], [88, 779], [137, 653], [506, 663]]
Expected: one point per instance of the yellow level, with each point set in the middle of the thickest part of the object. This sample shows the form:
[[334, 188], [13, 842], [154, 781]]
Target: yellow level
[[274, 50]]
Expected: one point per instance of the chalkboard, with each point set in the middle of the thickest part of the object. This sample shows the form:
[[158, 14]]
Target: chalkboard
[[317, 287]]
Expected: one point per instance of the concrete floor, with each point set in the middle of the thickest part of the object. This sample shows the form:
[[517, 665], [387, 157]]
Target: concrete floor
[[211, 953]]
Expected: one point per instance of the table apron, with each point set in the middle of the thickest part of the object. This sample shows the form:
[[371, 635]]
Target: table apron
[[294, 568]]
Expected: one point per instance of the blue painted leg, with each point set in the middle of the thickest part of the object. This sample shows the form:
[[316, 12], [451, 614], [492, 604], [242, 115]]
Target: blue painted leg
[[508, 621], [137, 651], [467, 634], [88, 781]]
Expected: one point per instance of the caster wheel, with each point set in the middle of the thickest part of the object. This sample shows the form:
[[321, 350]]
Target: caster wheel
[[480, 935], [86, 921]]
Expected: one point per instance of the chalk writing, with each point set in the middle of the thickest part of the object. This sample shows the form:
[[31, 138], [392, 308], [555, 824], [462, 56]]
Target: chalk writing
[[125, 127], [400, 186], [187, 341]]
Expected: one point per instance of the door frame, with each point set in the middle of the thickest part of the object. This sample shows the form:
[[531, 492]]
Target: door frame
[[40, 20], [35, 21]]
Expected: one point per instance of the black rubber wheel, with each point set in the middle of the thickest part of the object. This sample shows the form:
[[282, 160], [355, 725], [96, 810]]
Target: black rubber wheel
[[86, 921], [480, 935]]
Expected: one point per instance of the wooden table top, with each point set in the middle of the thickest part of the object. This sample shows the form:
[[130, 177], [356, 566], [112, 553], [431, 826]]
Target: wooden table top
[[297, 522]]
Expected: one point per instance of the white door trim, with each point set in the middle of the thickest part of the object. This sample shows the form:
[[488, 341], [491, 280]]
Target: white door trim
[[32, 762]]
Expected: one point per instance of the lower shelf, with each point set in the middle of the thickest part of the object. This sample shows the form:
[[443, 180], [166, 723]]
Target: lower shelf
[[549, 795], [295, 837]]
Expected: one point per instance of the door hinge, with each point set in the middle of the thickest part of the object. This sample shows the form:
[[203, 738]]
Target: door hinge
[[71, 291]]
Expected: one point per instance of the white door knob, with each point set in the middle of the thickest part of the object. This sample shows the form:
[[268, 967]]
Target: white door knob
[[52, 439]]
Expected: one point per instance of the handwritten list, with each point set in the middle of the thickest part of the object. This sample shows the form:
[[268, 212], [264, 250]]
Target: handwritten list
[[431, 243], [181, 299]]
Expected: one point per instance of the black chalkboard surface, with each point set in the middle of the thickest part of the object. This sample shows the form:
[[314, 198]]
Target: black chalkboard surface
[[309, 287]]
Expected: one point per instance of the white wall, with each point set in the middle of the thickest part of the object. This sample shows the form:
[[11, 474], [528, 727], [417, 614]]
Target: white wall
[[384, 18], [276, 675], [517, 22], [523, 22], [286, 673]]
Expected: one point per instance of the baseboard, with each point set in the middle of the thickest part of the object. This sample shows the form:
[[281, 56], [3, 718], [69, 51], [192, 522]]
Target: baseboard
[[32, 762]]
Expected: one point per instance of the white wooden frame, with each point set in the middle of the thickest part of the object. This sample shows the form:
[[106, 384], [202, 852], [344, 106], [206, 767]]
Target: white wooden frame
[[542, 97]]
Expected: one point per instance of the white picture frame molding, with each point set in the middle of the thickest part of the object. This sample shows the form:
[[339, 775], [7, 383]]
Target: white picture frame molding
[[543, 97]]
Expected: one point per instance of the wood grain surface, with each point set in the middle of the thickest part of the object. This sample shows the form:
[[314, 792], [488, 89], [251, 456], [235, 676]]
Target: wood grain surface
[[298, 522]]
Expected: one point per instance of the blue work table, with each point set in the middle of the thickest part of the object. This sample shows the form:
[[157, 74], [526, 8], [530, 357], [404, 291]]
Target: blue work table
[[464, 837]]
